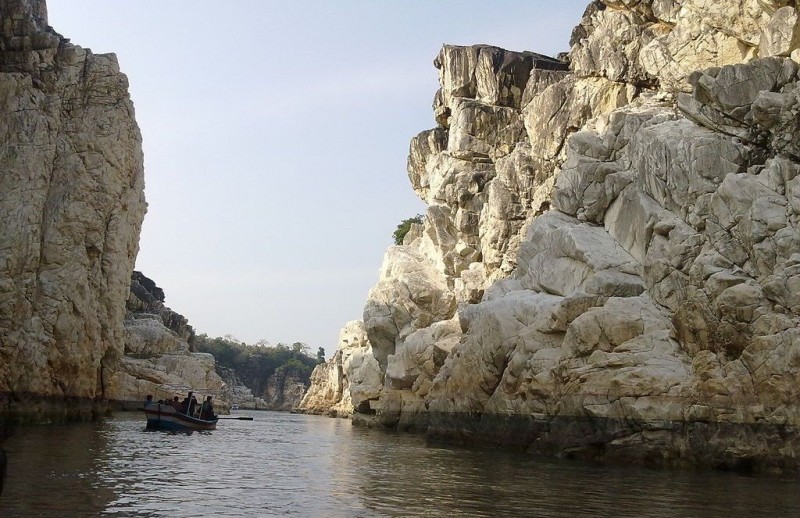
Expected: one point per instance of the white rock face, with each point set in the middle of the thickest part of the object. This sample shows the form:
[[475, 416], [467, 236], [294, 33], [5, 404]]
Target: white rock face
[[412, 295], [72, 205], [350, 380], [609, 264]]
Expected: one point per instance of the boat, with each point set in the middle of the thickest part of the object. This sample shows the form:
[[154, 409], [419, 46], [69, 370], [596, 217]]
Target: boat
[[165, 417]]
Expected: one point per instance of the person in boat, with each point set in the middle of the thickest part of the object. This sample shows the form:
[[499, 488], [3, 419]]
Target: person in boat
[[175, 403], [194, 410], [149, 400], [207, 410], [188, 404]]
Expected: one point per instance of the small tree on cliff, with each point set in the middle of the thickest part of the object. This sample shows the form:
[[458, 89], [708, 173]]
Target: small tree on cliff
[[404, 227], [321, 355]]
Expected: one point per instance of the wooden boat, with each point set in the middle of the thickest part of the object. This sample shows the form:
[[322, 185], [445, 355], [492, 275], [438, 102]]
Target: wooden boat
[[165, 417]]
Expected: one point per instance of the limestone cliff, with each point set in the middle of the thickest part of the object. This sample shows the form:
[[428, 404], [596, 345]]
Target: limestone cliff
[[72, 205], [608, 266], [353, 374]]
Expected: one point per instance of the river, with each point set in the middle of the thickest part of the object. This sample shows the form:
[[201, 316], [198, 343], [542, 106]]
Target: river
[[282, 464]]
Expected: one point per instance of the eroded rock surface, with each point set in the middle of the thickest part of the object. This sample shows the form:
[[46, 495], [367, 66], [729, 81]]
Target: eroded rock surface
[[72, 205], [350, 380], [608, 267]]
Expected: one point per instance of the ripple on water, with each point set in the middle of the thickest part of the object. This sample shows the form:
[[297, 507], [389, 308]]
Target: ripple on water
[[295, 465]]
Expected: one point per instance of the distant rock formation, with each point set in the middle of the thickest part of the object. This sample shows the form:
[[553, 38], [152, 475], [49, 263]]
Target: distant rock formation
[[608, 267], [158, 360], [146, 298], [283, 392], [72, 206], [353, 374], [237, 393]]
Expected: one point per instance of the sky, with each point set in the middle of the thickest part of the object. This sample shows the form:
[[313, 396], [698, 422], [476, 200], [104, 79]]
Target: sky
[[275, 137]]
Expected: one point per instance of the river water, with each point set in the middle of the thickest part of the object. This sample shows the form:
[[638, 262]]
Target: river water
[[284, 464]]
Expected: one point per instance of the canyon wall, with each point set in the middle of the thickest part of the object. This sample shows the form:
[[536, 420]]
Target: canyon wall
[[72, 204], [608, 266], [80, 332]]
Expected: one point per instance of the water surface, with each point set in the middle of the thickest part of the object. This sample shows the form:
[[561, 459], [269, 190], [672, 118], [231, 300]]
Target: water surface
[[283, 464]]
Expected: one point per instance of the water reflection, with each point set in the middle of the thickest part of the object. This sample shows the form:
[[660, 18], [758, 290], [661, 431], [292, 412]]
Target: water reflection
[[294, 465], [55, 463], [470, 482]]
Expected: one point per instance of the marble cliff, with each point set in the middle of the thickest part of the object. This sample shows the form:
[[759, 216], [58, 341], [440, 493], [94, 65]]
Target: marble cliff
[[71, 205], [609, 266], [76, 330]]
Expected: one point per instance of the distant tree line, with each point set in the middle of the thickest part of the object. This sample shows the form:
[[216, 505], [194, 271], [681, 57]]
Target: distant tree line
[[254, 364]]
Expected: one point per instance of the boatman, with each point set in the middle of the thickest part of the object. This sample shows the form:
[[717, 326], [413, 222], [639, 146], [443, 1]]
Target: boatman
[[187, 405], [207, 410]]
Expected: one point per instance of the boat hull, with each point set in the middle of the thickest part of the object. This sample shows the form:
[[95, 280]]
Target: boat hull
[[164, 417]]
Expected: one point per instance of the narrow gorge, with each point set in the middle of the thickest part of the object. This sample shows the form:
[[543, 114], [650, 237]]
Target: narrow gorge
[[609, 265]]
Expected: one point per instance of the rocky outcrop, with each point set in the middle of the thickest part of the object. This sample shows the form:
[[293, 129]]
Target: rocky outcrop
[[607, 267], [157, 359], [350, 380], [72, 205], [281, 392], [146, 298]]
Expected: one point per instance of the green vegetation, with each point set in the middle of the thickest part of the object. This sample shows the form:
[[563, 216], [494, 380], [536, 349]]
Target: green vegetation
[[254, 364], [404, 227]]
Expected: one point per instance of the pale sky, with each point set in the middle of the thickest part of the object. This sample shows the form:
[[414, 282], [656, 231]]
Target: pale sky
[[275, 141]]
